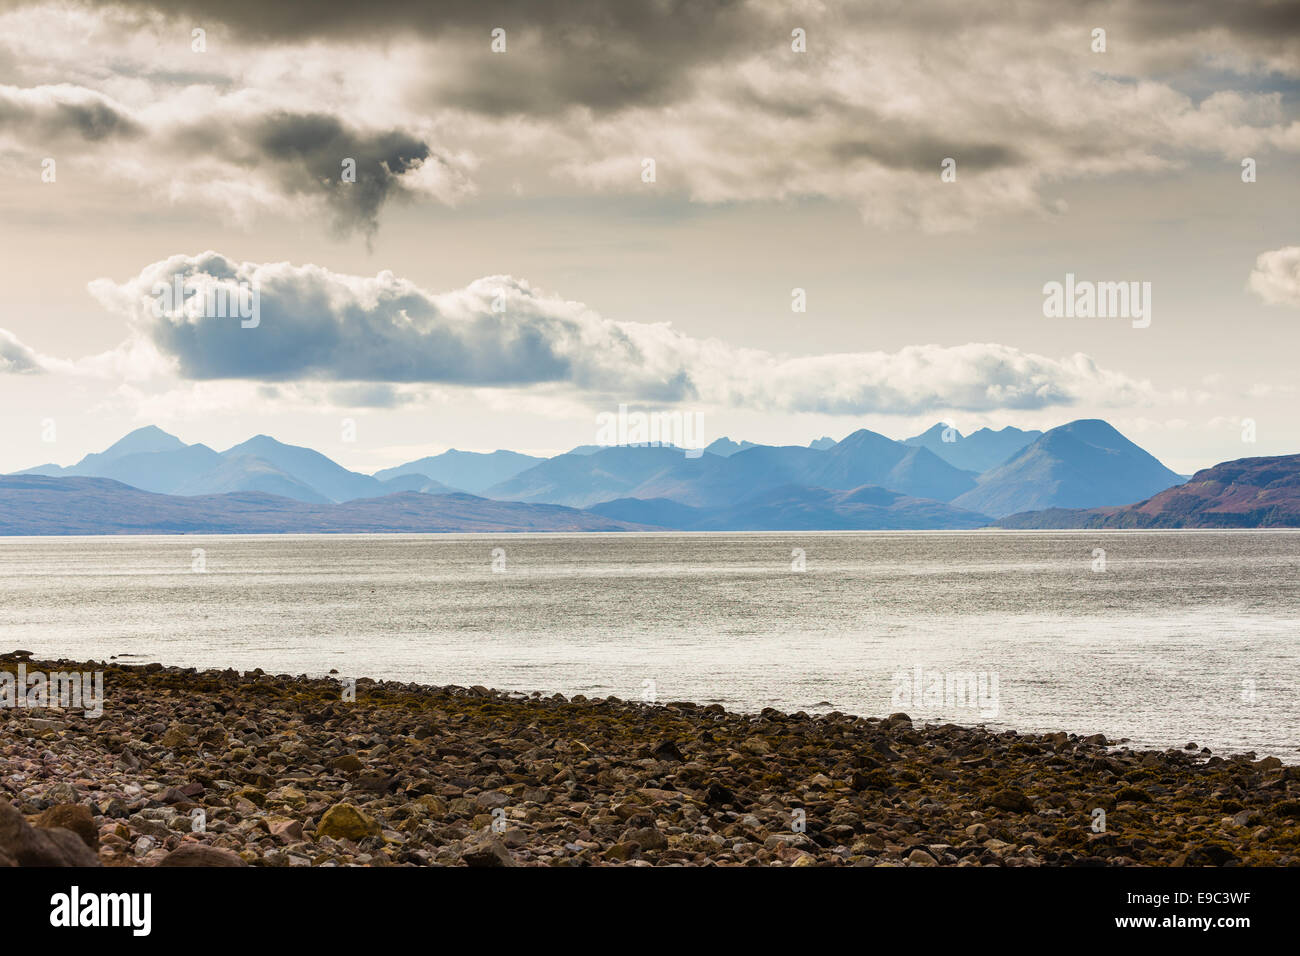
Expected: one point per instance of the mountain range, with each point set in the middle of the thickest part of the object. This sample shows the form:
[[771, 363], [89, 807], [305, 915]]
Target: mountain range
[[937, 479], [1245, 493], [863, 458], [38, 504], [799, 508], [1083, 464], [978, 451]]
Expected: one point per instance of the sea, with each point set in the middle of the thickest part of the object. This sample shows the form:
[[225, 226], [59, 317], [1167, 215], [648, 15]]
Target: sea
[[1158, 638]]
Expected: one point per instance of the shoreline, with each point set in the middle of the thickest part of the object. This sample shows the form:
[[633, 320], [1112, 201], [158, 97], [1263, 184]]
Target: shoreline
[[218, 767]]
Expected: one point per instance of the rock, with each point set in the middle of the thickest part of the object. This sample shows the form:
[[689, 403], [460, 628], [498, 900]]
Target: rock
[[285, 829], [1133, 795], [718, 795], [39, 846], [46, 725], [343, 821], [667, 750], [199, 854], [74, 817], [487, 852], [1011, 799], [873, 780], [647, 838], [431, 805], [178, 735], [348, 763], [623, 852], [409, 775], [492, 800]]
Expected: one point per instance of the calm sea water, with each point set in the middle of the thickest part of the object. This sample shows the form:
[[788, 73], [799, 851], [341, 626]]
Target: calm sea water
[[1184, 636]]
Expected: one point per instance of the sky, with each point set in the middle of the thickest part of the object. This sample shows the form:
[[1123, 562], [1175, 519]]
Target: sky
[[482, 224]]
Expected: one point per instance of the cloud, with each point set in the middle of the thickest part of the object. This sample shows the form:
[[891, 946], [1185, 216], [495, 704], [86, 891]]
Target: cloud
[[305, 154], [16, 358], [64, 110], [1276, 276], [601, 56], [236, 150], [501, 332], [711, 90]]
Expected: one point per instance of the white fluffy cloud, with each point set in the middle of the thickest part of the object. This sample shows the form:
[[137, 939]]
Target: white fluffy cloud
[[17, 358], [500, 332], [1276, 276]]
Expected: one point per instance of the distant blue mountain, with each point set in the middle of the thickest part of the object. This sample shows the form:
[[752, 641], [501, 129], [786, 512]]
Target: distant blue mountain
[[147, 458], [1085, 464], [146, 440], [152, 460], [978, 451], [660, 512], [863, 458], [41, 505], [471, 471], [863, 481], [237, 473], [725, 447], [799, 508], [310, 467]]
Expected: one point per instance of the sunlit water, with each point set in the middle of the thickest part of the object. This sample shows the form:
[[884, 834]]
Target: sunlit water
[[1184, 636]]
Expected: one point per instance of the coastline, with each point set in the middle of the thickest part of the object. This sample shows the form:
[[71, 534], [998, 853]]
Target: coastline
[[189, 767]]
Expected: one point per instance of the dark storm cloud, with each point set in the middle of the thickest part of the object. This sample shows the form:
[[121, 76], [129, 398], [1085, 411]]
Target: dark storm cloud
[[305, 154], [924, 154], [1261, 19], [647, 20], [54, 112], [593, 54], [309, 152]]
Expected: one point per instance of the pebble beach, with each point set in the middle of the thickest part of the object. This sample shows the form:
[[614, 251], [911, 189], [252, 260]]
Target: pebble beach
[[189, 767]]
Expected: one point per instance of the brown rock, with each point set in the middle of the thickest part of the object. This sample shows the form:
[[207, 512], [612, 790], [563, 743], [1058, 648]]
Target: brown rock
[[74, 817], [40, 846], [1011, 799], [667, 750], [198, 854], [343, 821], [487, 852], [348, 763]]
